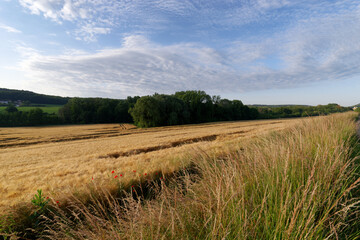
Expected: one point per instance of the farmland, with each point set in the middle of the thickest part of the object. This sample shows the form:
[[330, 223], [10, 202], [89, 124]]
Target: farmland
[[63, 158], [268, 179]]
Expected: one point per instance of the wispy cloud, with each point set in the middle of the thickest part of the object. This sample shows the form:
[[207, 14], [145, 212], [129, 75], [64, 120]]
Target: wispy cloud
[[9, 29], [99, 17], [89, 32]]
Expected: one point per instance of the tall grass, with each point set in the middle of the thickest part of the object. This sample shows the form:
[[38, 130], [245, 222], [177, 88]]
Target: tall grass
[[301, 183]]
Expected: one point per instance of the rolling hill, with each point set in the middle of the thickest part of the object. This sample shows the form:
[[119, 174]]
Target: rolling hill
[[34, 98]]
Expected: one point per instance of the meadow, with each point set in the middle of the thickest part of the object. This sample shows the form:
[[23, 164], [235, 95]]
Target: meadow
[[269, 179]]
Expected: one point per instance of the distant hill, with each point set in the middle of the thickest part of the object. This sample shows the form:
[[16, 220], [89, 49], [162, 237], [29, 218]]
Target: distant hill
[[274, 106], [34, 98]]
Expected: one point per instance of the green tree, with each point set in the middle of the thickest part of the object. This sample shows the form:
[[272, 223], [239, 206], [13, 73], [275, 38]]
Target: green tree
[[173, 110], [199, 104], [11, 108], [35, 116], [146, 112], [237, 110]]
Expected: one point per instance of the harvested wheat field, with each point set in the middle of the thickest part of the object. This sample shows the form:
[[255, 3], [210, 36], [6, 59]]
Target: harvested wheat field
[[63, 158]]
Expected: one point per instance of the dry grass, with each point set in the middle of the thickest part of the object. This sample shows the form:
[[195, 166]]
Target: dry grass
[[61, 159], [301, 183]]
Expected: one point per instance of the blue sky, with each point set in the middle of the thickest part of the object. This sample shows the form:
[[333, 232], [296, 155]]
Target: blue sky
[[258, 51]]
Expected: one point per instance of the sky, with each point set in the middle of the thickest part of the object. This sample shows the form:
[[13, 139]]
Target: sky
[[257, 51]]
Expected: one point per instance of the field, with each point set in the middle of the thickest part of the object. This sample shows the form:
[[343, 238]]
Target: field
[[47, 109], [62, 158], [269, 179]]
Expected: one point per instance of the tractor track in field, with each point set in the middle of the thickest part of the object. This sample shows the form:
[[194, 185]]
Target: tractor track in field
[[208, 138]]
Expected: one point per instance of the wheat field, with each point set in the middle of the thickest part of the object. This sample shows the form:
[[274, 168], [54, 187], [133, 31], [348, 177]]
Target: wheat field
[[299, 183], [63, 158]]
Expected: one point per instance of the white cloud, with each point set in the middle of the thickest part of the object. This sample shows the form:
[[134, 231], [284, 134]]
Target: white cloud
[[9, 29], [92, 18], [68, 13]]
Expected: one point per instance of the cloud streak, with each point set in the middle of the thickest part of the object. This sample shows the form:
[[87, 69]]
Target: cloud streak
[[9, 29]]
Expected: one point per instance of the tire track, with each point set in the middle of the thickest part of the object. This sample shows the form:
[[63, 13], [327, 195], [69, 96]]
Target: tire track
[[208, 138]]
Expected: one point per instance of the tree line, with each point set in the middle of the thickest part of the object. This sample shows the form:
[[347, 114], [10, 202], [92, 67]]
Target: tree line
[[300, 111], [183, 107], [11, 117], [97, 110], [156, 110]]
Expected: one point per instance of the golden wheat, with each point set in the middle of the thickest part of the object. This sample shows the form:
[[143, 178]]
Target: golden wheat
[[61, 159], [301, 183]]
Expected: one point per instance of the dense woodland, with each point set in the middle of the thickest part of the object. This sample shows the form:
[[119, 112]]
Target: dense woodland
[[149, 111], [156, 110]]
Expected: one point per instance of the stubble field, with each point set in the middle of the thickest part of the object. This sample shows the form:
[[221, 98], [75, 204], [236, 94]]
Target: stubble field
[[61, 159]]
